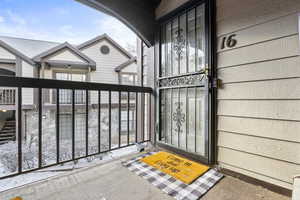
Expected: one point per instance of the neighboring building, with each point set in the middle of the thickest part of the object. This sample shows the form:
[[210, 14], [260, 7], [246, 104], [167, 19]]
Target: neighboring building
[[100, 60]]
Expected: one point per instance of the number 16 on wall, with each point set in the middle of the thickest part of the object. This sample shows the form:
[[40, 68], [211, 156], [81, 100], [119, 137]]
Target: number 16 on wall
[[228, 42]]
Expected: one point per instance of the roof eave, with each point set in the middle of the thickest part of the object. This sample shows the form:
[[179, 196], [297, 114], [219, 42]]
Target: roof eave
[[108, 38], [53, 50], [17, 53]]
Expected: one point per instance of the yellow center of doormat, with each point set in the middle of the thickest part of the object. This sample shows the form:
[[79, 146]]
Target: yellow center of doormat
[[178, 167]]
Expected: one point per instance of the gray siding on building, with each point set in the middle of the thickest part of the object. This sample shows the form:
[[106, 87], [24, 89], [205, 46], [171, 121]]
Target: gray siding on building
[[259, 104], [105, 70]]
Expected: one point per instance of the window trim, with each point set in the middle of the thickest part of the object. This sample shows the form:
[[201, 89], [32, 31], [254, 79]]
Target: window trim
[[135, 77], [101, 50]]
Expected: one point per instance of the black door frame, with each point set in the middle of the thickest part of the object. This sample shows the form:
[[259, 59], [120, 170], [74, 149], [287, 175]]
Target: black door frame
[[211, 43]]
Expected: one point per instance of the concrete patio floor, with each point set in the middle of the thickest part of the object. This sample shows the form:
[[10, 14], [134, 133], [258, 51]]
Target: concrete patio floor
[[111, 181]]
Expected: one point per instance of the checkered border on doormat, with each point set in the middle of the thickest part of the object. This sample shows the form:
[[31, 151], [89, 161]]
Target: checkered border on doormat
[[170, 185]]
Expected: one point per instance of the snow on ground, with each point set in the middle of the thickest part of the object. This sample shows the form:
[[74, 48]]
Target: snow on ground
[[31, 177]]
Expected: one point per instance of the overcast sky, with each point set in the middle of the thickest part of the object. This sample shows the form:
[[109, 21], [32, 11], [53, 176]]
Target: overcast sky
[[60, 21]]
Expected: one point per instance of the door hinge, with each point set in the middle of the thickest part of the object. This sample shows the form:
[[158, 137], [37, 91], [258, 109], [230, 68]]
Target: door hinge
[[217, 83]]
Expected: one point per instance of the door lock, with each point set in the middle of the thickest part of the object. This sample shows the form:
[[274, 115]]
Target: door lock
[[206, 71]]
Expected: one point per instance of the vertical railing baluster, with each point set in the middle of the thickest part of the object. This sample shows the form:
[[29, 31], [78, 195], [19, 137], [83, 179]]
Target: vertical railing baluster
[[57, 127], [40, 127], [120, 107], [171, 123], [73, 124], [136, 117], [19, 129], [128, 108], [109, 114], [99, 121], [150, 118], [179, 128], [143, 117], [196, 45], [178, 29], [195, 119], [187, 118], [86, 122], [172, 69], [187, 41]]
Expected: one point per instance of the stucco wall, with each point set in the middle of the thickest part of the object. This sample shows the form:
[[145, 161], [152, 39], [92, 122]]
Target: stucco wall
[[258, 106]]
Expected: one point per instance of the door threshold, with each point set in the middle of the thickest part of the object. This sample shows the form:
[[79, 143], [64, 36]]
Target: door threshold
[[180, 152]]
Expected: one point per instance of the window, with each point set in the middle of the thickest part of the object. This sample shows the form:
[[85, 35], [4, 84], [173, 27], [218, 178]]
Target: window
[[65, 96], [104, 49], [128, 78], [70, 76]]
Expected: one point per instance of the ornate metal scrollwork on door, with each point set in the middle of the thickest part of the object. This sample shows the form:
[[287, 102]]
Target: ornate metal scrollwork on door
[[178, 117], [196, 79], [179, 43]]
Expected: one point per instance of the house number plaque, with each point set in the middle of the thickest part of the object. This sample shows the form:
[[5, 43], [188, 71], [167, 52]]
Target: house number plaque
[[229, 42]]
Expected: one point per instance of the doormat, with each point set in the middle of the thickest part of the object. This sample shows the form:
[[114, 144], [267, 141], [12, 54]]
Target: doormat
[[178, 167], [170, 185]]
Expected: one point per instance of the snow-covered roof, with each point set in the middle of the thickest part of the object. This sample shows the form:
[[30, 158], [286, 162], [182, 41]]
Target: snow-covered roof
[[28, 47]]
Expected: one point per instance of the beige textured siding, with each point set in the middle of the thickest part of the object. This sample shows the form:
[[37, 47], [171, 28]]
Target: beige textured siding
[[4, 54], [66, 55], [259, 104], [105, 65]]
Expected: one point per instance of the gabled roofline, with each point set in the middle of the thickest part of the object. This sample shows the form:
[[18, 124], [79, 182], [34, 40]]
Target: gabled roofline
[[16, 53], [108, 38], [53, 50], [125, 64]]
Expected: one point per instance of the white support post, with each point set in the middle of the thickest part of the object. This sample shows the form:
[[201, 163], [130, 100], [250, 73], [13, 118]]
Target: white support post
[[296, 190]]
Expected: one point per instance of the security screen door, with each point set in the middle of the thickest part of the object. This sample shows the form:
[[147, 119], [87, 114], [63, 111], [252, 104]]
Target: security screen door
[[183, 82]]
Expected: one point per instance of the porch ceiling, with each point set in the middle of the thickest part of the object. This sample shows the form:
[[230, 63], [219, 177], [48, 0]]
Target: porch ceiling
[[138, 15]]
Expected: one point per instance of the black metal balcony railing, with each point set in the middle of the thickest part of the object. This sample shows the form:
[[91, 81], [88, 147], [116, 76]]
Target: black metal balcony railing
[[44, 85], [65, 97], [7, 96]]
